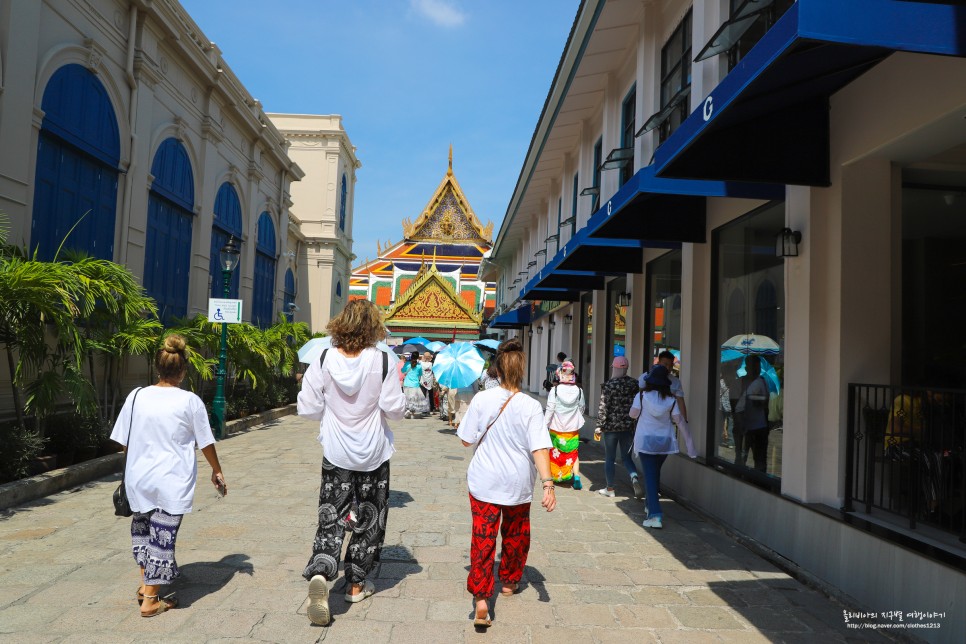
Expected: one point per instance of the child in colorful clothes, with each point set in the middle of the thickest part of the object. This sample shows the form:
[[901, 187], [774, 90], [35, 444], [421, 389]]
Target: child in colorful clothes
[[564, 418]]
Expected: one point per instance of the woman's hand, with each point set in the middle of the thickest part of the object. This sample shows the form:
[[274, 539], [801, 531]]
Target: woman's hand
[[218, 480], [549, 498]]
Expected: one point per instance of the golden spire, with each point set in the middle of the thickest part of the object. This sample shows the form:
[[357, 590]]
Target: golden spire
[[434, 256], [450, 171]]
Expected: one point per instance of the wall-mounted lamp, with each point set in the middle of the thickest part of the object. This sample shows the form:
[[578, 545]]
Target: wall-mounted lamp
[[786, 243], [592, 191], [623, 299], [553, 323], [530, 333], [539, 329], [618, 158], [568, 319]]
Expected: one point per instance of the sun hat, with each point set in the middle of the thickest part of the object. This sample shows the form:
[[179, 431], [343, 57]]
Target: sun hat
[[620, 362], [658, 377], [567, 372]]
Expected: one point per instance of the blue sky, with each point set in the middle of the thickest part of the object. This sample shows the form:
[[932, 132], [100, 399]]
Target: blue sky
[[409, 77]]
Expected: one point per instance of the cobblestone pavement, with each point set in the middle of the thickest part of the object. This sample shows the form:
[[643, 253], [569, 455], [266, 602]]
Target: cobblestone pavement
[[594, 574]]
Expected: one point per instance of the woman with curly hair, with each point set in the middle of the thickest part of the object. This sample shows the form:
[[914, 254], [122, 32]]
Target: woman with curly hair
[[353, 391], [160, 427]]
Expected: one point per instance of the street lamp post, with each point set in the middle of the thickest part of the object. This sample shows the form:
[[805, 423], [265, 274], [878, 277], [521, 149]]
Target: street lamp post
[[228, 259]]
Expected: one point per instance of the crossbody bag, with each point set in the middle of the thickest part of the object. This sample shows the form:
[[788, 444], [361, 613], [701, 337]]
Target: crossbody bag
[[122, 506]]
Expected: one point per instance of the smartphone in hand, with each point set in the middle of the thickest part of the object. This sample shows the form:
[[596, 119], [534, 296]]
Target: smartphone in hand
[[221, 486]]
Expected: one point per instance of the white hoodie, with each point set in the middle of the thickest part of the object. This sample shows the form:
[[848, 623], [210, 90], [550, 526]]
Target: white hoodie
[[347, 396], [564, 406], [655, 432]]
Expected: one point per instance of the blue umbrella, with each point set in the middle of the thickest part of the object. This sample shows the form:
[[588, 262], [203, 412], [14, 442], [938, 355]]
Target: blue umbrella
[[419, 340], [493, 345], [458, 365], [312, 350], [767, 371], [436, 346]]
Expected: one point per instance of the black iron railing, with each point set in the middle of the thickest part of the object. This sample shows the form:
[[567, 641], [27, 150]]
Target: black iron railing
[[905, 454]]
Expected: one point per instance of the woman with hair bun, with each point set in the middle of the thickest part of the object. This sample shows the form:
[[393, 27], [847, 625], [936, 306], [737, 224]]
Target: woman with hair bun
[[160, 427], [511, 446]]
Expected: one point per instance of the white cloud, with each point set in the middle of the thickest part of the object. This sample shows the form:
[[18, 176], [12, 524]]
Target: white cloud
[[441, 12]]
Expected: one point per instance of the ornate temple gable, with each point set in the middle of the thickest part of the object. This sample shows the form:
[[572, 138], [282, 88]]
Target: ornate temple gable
[[448, 216], [431, 298]]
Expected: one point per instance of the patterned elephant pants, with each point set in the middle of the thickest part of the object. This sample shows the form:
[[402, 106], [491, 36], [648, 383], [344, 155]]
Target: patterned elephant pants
[[366, 496], [153, 535], [515, 531]]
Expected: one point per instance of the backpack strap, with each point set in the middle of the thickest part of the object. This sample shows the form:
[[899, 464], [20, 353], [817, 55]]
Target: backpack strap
[[385, 365], [322, 359]]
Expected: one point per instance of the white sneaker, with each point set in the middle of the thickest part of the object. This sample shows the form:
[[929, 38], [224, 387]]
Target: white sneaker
[[653, 522], [606, 492], [638, 488], [408, 414], [318, 609]]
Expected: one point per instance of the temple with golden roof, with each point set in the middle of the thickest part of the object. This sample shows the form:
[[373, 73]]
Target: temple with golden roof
[[428, 283]]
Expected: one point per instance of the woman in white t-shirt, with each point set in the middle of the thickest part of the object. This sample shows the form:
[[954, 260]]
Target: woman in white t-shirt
[[511, 446], [353, 391], [160, 427]]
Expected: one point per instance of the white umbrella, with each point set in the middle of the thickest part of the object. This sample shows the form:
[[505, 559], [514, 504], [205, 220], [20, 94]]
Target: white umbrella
[[753, 344], [312, 350]]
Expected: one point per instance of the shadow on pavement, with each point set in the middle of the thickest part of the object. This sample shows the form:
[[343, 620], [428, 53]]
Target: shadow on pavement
[[201, 578]]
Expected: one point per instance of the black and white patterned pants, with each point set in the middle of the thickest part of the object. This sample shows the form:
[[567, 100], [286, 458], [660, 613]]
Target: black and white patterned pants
[[153, 537], [365, 493]]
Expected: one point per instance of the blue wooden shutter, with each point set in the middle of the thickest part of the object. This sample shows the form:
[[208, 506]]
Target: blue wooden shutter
[[228, 223], [264, 292]]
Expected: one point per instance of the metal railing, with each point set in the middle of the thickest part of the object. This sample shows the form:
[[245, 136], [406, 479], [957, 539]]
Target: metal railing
[[904, 454]]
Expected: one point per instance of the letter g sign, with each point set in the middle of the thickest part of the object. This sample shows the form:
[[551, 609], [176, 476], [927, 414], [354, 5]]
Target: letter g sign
[[708, 108]]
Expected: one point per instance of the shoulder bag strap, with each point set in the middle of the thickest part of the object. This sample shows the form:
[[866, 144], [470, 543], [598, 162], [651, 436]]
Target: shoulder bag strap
[[385, 365], [130, 430], [495, 419]]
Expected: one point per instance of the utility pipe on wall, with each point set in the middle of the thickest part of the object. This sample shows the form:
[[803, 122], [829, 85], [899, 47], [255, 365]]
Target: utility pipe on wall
[[132, 123]]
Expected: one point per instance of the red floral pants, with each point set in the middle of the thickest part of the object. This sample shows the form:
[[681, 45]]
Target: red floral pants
[[515, 532]]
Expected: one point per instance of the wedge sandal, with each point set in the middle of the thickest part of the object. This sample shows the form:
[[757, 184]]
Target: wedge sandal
[[164, 604]]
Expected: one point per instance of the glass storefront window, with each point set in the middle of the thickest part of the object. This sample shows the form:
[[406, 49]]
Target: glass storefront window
[[587, 338], [664, 305], [748, 326], [616, 324]]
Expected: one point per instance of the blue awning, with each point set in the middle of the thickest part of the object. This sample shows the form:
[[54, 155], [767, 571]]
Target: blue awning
[[768, 119], [515, 319], [647, 212]]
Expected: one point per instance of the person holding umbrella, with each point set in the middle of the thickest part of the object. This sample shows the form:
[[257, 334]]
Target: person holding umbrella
[[751, 416], [511, 446], [457, 368]]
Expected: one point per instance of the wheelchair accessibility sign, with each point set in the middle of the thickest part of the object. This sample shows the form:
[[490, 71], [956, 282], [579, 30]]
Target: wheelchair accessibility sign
[[224, 311]]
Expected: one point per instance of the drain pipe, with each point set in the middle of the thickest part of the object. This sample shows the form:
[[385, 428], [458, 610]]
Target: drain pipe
[[132, 122]]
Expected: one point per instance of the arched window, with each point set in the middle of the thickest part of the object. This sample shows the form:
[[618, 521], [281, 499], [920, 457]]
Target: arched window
[[338, 287], [288, 295], [766, 310], [78, 153], [228, 223], [342, 200], [167, 250], [263, 298]]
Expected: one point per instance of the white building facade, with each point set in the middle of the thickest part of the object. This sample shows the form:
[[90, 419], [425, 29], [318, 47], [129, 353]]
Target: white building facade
[[321, 236], [125, 111], [679, 141]]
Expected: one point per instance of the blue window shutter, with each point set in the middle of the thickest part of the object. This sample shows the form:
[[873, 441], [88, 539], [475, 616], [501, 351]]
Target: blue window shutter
[[264, 293], [78, 152], [342, 204], [167, 252], [228, 223], [288, 297]]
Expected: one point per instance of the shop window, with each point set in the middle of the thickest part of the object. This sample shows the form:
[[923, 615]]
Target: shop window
[[263, 294], [587, 345], [78, 152], [167, 250], [664, 304], [744, 261], [227, 224]]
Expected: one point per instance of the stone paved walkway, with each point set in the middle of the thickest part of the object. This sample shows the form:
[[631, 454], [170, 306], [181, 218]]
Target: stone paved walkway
[[594, 574]]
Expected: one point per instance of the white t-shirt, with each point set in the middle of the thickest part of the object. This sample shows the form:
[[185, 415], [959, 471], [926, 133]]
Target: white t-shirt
[[162, 468], [502, 469], [353, 403]]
